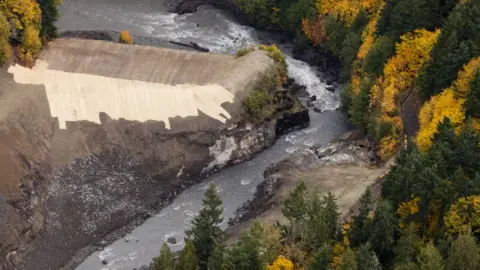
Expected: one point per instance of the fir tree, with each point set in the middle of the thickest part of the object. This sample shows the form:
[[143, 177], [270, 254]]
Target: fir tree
[[429, 258], [464, 254], [383, 230], [361, 223], [472, 102], [349, 260], [316, 231], [331, 215], [187, 260], [49, 17], [217, 259], [321, 258], [407, 246], [382, 49], [206, 226], [245, 254], [366, 258], [295, 206], [165, 261]]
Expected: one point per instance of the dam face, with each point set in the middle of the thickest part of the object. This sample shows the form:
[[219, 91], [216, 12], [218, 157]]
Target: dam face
[[83, 78]]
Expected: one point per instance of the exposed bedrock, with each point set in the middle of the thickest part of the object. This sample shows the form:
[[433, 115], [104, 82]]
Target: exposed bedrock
[[66, 184]]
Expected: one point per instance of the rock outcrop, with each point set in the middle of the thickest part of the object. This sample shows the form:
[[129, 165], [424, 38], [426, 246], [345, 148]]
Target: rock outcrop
[[68, 182]]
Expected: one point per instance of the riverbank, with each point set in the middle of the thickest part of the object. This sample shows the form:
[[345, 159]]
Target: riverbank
[[346, 167]]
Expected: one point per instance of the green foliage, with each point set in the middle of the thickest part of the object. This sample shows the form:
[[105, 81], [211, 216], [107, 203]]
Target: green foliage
[[49, 17], [243, 51], [165, 261], [205, 229], [472, 102], [407, 246], [259, 104], [349, 260], [295, 206], [362, 224], [335, 32], [321, 258], [245, 254], [382, 49], [429, 258], [187, 260], [216, 261], [366, 258], [348, 53], [457, 44], [331, 214], [383, 229], [359, 113], [464, 254]]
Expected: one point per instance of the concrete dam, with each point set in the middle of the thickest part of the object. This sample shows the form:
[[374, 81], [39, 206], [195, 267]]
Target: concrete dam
[[99, 136]]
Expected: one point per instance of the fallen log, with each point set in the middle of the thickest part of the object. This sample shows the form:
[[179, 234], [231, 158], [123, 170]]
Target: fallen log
[[191, 45]]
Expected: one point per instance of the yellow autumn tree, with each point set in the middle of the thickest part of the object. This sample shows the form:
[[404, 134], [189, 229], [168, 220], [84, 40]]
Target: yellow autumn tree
[[406, 209], [346, 10], [464, 215], [23, 13], [31, 44], [449, 104], [398, 76], [434, 111], [281, 263], [125, 37], [4, 35]]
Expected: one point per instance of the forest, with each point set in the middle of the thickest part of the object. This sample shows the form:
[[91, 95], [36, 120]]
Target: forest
[[26, 24], [428, 215]]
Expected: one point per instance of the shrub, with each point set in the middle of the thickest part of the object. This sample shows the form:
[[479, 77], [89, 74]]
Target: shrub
[[125, 37], [243, 51], [260, 103], [31, 44]]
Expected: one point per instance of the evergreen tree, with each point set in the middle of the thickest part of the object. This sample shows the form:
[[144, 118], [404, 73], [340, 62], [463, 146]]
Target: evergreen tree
[[295, 206], [407, 246], [382, 49], [217, 259], [206, 226], [165, 261], [383, 230], [348, 53], [331, 215], [316, 231], [360, 105], [349, 260], [361, 223], [245, 254], [366, 258], [187, 260], [321, 258], [335, 32], [464, 254], [49, 17], [429, 258], [472, 102]]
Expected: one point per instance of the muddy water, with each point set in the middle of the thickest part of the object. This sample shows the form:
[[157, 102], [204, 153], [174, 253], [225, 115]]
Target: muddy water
[[220, 32]]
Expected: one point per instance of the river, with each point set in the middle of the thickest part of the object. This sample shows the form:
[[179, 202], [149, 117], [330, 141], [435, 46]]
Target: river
[[221, 33]]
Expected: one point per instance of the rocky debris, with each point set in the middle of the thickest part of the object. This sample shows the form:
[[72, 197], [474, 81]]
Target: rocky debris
[[104, 262], [351, 148], [172, 240], [313, 98]]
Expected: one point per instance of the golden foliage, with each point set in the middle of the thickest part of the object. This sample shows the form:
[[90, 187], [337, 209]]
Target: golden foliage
[[281, 263], [125, 37], [23, 13], [314, 31], [462, 85], [347, 10], [5, 51], [31, 45], [434, 111], [399, 75], [294, 252], [406, 209], [464, 215]]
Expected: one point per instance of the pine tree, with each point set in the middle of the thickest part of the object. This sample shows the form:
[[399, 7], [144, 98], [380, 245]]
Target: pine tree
[[359, 111], [217, 259], [245, 254], [165, 261], [206, 226], [382, 49], [430, 259], [49, 17], [295, 206], [331, 215], [316, 231], [187, 260], [383, 230], [366, 258], [472, 103], [349, 260], [407, 246], [464, 254], [361, 223], [321, 258]]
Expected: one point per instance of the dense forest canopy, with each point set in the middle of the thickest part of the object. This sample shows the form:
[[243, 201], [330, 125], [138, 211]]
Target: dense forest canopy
[[428, 216]]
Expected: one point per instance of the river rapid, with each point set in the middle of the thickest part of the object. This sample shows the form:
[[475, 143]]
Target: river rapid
[[218, 31]]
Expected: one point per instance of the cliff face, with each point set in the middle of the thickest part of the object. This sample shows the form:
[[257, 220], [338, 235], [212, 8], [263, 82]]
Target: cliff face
[[66, 184]]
